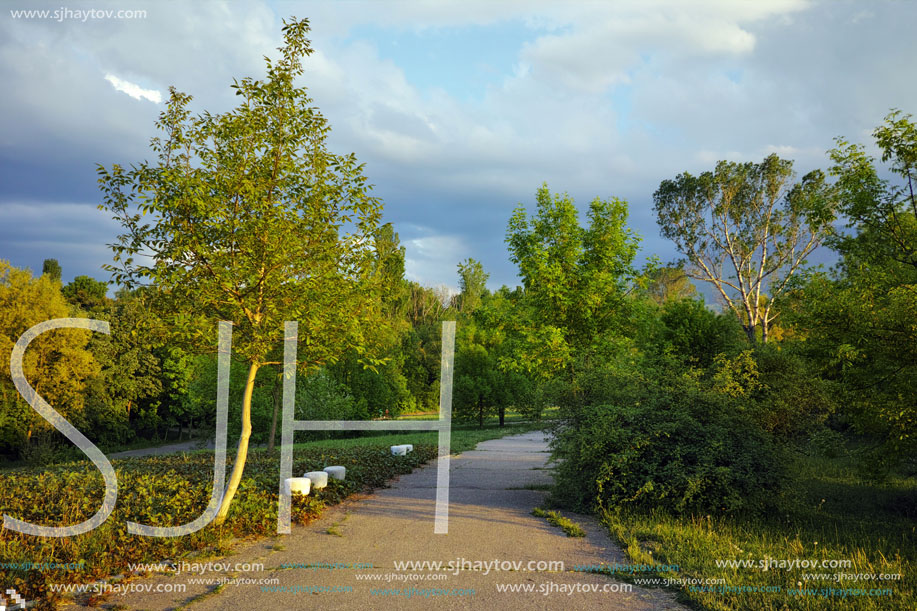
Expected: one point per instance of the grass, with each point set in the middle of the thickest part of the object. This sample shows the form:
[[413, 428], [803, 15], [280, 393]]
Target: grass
[[464, 437], [837, 516], [555, 519]]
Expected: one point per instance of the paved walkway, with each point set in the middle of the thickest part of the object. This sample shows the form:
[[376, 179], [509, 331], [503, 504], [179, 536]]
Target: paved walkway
[[493, 491]]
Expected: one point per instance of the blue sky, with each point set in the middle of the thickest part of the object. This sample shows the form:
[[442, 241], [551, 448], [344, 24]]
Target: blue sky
[[460, 110]]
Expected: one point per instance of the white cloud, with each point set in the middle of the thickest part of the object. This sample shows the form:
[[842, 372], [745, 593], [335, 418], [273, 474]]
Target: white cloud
[[134, 90]]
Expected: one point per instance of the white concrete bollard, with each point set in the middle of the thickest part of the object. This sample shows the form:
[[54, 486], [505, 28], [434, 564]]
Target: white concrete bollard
[[336, 472], [319, 478], [297, 484]]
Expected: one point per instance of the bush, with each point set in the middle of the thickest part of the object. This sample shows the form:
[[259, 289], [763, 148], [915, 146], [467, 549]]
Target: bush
[[676, 446]]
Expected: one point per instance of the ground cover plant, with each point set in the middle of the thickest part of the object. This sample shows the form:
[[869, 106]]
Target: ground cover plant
[[174, 489], [164, 491]]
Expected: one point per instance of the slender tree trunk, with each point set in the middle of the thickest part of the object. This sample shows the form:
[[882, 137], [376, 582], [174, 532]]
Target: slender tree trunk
[[242, 453], [276, 396], [502, 415]]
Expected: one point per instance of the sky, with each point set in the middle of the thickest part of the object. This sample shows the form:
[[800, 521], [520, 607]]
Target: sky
[[460, 110]]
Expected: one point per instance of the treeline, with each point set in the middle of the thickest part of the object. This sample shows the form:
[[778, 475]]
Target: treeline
[[127, 387], [679, 408]]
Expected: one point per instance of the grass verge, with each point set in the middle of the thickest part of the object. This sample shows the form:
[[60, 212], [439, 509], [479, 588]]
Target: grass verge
[[555, 519], [852, 530]]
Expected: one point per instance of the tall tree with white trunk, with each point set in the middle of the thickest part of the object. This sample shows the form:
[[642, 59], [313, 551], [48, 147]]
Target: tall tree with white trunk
[[747, 228]]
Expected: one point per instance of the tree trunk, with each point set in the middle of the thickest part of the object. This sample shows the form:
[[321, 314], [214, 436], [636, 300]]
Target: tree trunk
[[242, 453], [750, 332], [276, 396], [502, 415]]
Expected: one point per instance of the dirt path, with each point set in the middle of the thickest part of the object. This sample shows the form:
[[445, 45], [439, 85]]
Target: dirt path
[[492, 493]]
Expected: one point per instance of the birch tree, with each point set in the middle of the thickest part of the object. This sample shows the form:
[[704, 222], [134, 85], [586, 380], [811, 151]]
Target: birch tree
[[747, 228]]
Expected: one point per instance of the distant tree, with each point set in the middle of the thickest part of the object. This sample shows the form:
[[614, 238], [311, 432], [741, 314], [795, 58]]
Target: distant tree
[[51, 268], [85, 292], [669, 283], [249, 218], [747, 228], [131, 377], [57, 363], [472, 283]]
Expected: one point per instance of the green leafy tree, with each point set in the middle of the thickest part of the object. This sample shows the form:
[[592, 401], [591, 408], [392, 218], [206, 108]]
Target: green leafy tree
[[860, 322], [52, 269], [473, 285], [131, 379], [575, 278], [665, 284], [246, 216], [746, 228], [57, 363], [85, 292]]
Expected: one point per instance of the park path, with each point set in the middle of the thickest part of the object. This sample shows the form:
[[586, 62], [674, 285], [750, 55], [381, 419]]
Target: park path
[[493, 490], [172, 448]]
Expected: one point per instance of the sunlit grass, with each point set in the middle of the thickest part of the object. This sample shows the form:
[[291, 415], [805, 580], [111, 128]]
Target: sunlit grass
[[837, 516]]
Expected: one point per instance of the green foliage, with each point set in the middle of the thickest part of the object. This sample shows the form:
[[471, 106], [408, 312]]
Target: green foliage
[[746, 228], [85, 292], [52, 269], [472, 283], [246, 216], [666, 441], [840, 516], [692, 331], [321, 397], [57, 363], [574, 278], [668, 283], [858, 322], [124, 398]]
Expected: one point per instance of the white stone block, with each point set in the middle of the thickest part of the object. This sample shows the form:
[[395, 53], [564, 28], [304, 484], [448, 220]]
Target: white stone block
[[337, 472], [319, 478], [297, 484]]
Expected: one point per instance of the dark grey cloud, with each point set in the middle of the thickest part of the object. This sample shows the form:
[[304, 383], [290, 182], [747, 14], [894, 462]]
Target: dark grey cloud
[[605, 99]]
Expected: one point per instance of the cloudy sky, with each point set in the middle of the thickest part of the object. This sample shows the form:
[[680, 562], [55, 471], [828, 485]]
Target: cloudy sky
[[459, 109]]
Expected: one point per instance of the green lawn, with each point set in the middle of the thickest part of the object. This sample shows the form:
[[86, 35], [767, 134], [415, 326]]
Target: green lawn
[[464, 436], [839, 516]]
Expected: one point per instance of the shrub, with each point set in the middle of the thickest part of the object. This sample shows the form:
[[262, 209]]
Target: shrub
[[674, 446]]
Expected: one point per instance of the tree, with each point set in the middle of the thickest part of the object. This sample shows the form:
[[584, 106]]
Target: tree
[[473, 284], [247, 217], [57, 364], [575, 278], [52, 269], [85, 292], [859, 321], [747, 228], [131, 377], [669, 283]]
